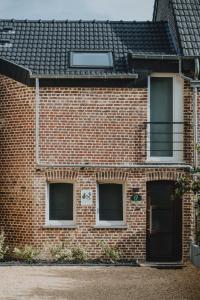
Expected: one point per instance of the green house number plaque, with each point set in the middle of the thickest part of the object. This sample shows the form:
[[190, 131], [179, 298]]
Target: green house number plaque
[[136, 198]]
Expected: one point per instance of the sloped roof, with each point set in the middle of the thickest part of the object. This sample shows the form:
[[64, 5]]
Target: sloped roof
[[187, 16], [44, 46], [184, 21]]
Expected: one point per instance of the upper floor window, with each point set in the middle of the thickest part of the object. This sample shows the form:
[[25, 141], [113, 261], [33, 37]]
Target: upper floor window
[[91, 59], [165, 126]]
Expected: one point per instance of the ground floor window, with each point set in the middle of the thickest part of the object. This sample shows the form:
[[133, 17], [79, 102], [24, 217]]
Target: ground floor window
[[110, 204], [60, 204]]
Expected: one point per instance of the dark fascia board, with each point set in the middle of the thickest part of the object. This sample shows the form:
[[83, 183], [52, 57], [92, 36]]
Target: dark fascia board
[[158, 66], [100, 83], [155, 10], [15, 71]]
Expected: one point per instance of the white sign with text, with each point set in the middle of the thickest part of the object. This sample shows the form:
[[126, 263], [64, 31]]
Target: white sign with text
[[86, 197]]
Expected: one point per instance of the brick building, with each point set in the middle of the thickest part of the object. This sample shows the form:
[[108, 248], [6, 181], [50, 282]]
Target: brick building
[[97, 123]]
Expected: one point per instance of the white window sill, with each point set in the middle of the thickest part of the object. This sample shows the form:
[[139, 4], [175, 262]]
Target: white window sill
[[59, 226], [99, 226], [164, 161]]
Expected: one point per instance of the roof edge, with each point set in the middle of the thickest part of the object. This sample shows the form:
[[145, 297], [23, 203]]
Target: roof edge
[[76, 21], [155, 8], [16, 65]]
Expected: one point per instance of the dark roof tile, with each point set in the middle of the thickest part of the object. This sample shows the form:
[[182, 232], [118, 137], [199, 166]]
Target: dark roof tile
[[44, 46], [187, 16]]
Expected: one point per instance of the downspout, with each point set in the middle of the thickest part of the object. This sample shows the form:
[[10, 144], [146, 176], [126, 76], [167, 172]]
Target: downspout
[[195, 111], [195, 123], [37, 120]]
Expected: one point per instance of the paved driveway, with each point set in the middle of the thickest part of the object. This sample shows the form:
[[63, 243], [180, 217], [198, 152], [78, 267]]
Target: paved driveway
[[95, 283]]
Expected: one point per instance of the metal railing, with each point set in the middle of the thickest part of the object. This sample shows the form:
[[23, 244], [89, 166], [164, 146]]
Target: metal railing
[[164, 139]]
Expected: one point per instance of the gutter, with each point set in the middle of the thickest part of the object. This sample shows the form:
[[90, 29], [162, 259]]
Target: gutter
[[106, 76], [160, 57], [154, 57], [195, 84]]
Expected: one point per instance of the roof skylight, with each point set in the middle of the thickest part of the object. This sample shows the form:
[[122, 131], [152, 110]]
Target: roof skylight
[[91, 59]]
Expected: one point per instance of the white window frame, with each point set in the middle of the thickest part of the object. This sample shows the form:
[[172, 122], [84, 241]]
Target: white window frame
[[178, 116], [58, 223], [111, 223]]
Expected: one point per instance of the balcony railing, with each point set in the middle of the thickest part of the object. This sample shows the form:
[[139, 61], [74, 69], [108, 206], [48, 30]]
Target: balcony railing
[[164, 139]]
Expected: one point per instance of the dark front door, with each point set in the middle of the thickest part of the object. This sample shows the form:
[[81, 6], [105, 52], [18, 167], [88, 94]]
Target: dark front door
[[164, 222]]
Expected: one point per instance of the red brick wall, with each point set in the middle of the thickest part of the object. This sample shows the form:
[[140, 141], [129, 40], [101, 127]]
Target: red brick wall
[[17, 160], [77, 125], [93, 125]]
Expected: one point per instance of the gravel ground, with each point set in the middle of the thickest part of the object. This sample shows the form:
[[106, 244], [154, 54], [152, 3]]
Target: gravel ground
[[85, 283]]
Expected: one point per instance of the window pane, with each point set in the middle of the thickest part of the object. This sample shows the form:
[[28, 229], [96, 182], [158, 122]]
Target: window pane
[[161, 111], [102, 59], [110, 202], [61, 201]]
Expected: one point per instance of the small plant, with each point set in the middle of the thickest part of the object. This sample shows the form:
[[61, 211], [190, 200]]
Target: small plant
[[110, 252], [196, 187], [182, 186], [79, 254], [198, 147], [61, 253], [3, 248], [28, 253]]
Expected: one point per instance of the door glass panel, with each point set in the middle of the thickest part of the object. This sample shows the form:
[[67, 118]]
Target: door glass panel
[[161, 117], [162, 220], [162, 194]]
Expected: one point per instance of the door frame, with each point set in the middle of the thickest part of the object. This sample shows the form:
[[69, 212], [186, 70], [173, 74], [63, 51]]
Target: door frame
[[148, 224]]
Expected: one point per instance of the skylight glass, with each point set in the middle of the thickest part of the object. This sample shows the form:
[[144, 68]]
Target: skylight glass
[[92, 59]]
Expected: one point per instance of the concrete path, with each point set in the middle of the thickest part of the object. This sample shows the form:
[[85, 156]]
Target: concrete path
[[83, 283]]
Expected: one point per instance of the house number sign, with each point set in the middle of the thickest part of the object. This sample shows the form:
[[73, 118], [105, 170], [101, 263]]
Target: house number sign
[[86, 197], [136, 198]]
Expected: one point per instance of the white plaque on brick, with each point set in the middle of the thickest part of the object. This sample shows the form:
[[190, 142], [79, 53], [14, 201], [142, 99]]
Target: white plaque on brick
[[86, 197]]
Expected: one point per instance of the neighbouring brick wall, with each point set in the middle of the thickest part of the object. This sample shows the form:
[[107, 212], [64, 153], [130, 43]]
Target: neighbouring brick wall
[[17, 160], [198, 110], [188, 128], [78, 125]]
